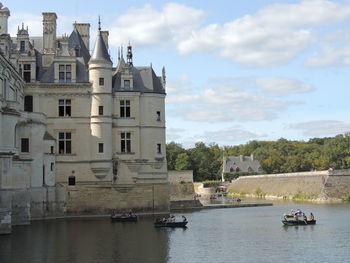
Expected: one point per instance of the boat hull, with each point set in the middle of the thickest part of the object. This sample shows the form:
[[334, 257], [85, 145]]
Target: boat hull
[[170, 224], [298, 222]]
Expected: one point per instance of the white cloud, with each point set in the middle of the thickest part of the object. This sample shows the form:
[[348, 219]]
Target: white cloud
[[148, 26], [232, 134], [230, 99], [322, 127], [283, 86]]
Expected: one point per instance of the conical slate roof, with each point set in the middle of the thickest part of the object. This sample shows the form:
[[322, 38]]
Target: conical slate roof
[[100, 50]]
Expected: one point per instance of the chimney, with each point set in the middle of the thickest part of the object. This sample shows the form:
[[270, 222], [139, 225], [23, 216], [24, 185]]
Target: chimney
[[49, 33], [252, 157], [105, 35], [4, 15], [84, 31]]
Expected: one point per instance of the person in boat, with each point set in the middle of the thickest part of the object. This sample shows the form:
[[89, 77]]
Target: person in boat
[[312, 217], [184, 218]]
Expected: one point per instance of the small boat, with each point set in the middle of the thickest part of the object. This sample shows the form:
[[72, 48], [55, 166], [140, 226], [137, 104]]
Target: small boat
[[170, 224], [124, 218], [297, 218], [298, 222]]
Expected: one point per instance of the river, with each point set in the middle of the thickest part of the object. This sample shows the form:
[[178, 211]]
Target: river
[[253, 234]]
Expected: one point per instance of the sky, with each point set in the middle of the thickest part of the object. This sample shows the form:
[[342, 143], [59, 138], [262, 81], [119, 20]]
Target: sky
[[236, 71]]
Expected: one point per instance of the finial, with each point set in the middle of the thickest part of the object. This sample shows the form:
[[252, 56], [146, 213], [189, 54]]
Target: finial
[[99, 23], [118, 53], [122, 51], [22, 25], [129, 55]]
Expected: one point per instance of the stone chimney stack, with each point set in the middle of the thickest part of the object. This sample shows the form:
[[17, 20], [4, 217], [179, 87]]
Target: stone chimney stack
[[84, 31], [105, 35], [252, 157], [4, 15], [49, 32]]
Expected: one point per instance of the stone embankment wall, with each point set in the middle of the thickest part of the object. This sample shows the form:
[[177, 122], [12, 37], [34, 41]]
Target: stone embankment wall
[[102, 199], [182, 194], [318, 185]]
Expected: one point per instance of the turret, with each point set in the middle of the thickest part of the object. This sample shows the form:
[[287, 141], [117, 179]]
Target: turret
[[100, 74]]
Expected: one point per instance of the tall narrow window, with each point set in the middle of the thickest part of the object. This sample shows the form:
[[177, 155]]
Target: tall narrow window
[[28, 103], [101, 82], [100, 147], [159, 148], [51, 168], [26, 72], [158, 116], [65, 142], [65, 73], [125, 108], [1, 87], [25, 145], [125, 142], [22, 46], [127, 84], [51, 149], [64, 108], [100, 110]]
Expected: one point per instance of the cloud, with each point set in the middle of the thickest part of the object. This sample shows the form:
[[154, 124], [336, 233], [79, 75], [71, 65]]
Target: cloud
[[230, 99], [232, 134], [148, 26], [322, 127], [174, 134], [283, 86]]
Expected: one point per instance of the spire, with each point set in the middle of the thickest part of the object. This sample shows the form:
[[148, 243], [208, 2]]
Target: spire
[[129, 55], [163, 76], [100, 51]]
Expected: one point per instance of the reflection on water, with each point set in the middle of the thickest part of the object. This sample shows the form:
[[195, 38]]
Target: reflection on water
[[219, 235]]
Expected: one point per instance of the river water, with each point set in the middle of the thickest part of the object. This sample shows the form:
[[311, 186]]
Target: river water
[[253, 234]]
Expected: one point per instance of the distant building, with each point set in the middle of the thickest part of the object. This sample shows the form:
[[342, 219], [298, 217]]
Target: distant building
[[241, 164]]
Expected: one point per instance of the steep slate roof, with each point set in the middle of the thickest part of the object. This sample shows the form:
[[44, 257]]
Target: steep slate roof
[[243, 163], [48, 137], [144, 80], [75, 41], [100, 50]]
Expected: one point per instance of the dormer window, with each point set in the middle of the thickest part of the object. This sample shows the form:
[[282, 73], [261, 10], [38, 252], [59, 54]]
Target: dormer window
[[65, 73], [126, 84], [22, 48]]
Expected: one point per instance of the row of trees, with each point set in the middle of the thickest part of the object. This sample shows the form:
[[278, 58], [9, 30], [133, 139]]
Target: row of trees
[[281, 156]]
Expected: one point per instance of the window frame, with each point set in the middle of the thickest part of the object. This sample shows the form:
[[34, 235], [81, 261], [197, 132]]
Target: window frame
[[65, 142], [125, 142], [125, 108], [65, 108], [100, 147], [25, 147], [65, 73]]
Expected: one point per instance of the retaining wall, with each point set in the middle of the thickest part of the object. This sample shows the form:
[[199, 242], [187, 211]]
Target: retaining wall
[[318, 185]]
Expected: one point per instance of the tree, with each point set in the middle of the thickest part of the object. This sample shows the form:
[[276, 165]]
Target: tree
[[172, 151], [182, 162]]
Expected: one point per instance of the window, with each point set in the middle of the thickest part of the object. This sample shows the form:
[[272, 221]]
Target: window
[[158, 116], [125, 142], [51, 149], [26, 72], [64, 108], [28, 103], [65, 73], [125, 108], [22, 46], [126, 84], [159, 148], [101, 82], [71, 180], [25, 145], [100, 147], [65, 142], [51, 167], [100, 110]]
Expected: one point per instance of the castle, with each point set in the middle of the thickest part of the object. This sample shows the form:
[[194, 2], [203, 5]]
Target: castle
[[78, 135]]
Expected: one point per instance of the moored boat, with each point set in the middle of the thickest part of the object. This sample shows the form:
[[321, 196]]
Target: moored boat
[[171, 222], [124, 218]]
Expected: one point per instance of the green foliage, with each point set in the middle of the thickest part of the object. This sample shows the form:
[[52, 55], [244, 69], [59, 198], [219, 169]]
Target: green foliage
[[259, 193], [281, 156], [346, 197], [302, 196], [182, 162], [211, 183]]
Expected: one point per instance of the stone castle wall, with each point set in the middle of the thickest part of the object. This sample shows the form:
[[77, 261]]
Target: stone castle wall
[[103, 199], [318, 185]]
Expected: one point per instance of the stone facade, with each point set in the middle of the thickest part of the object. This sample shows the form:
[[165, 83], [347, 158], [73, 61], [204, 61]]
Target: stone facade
[[71, 117]]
